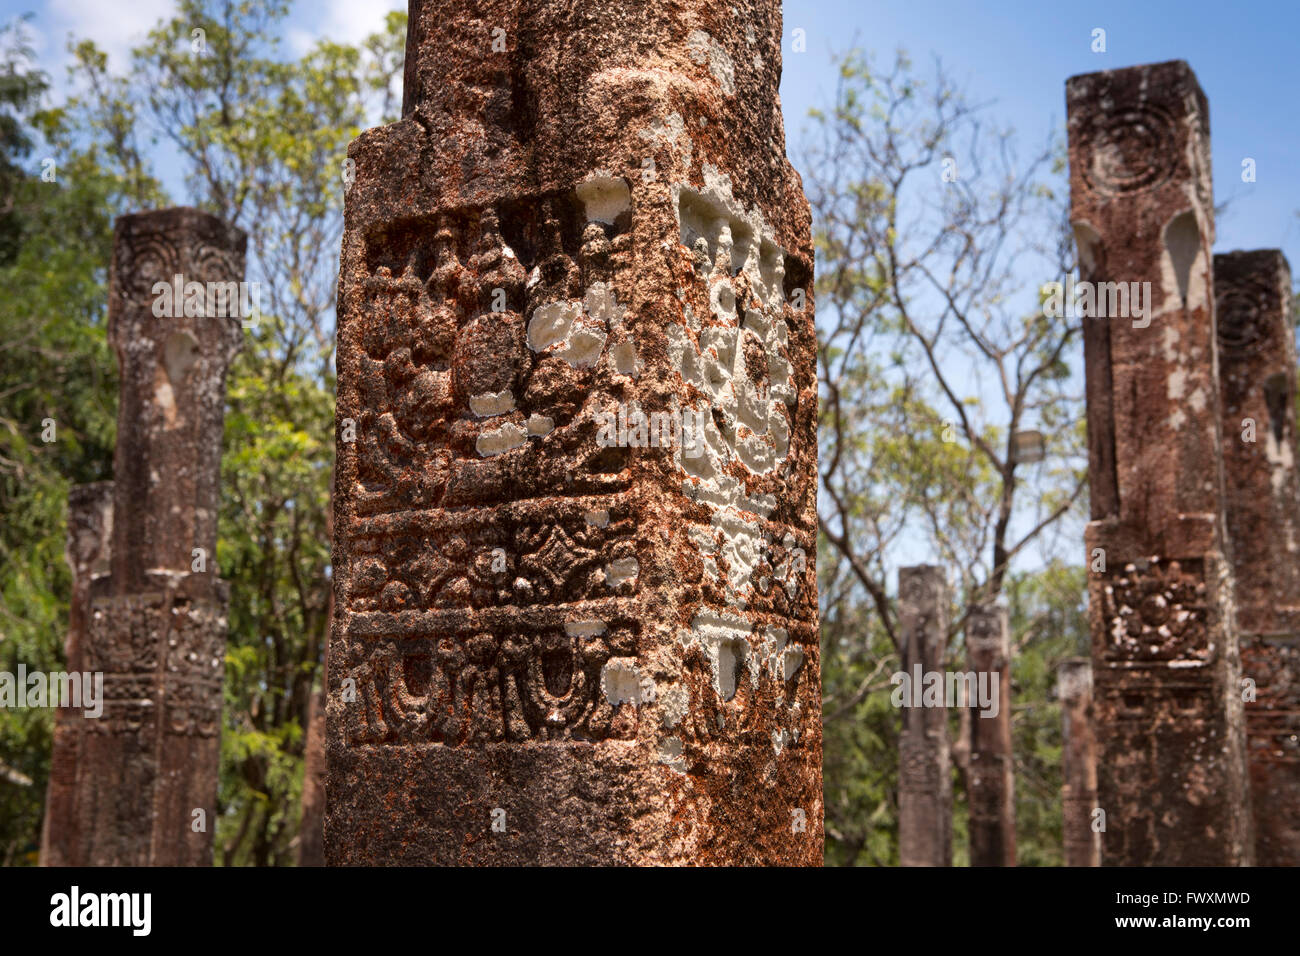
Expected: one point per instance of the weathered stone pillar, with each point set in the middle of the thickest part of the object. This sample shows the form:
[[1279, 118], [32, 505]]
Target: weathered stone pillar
[[1078, 764], [1257, 374], [576, 618], [90, 529], [925, 765], [1171, 767], [157, 629], [991, 782], [311, 831]]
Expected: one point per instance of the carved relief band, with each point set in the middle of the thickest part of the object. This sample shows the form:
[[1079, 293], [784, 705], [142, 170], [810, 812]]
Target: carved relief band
[[565, 638]]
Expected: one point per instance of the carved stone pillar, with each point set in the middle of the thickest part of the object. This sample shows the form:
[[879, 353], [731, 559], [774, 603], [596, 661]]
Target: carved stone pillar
[[1257, 376], [1078, 764], [1171, 765], [925, 764], [147, 780], [90, 530], [576, 618], [991, 782]]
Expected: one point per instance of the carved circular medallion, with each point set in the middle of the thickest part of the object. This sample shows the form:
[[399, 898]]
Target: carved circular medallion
[[1240, 326], [145, 260], [211, 264], [1129, 151]]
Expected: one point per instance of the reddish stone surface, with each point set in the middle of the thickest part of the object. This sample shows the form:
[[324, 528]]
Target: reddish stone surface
[[1257, 370], [90, 529], [156, 628], [1078, 764], [1166, 666], [925, 759], [991, 782], [1273, 729], [551, 646], [311, 832]]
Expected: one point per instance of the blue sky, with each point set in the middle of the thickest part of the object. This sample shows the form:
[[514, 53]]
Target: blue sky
[[1019, 54], [1013, 54]]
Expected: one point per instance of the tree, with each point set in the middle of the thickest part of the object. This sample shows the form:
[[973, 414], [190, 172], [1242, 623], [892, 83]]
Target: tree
[[933, 240], [57, 382], [261, 140]]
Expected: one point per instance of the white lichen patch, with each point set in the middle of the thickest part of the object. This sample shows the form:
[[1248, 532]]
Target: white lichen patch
[[703, 48], [576, 331], [780, 740], [496, 441], [584, 347], [539, 426], [602, 305], [670, 754], [792, 659], [782, 661], [550, 324], [620, 681], [671, 133], [598, 519], [584, 628], [1176, 384], [725, 640], [488, 404], [604, 197], [621, 571], [673, 704], [623, 355], [1169, 342]]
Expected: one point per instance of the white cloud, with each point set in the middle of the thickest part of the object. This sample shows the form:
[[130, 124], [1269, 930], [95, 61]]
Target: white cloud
[[115, 27], [343, 21]]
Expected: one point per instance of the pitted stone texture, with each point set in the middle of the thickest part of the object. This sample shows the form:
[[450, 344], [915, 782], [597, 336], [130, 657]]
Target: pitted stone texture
[[925, 763], [90, 531], [1166, 667], [1257, 365], [173, 369], [152, 758], [1078, 764], [1273, 729], [311, 831], [991, 779], [156, 625], [615, 645]]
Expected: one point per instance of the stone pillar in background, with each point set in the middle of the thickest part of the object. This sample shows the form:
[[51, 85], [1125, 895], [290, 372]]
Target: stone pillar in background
[[991, 782], [1171, 761], [925, 765], [1257, 378], [311, 833], [1078, 764], [90, 529], [157, 629], [576, 618]]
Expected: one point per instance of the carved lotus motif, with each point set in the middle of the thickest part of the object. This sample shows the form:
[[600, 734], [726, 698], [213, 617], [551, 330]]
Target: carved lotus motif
[[1157, 612]]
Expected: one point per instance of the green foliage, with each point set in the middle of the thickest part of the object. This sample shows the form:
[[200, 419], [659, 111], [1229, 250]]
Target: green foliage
[[274, 549], [860, 731], [928, 365], [1048, 612], [54, 365], [261, 139], [861, 728]]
